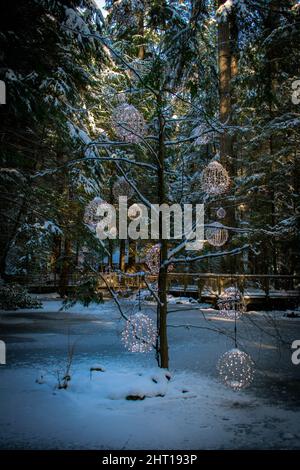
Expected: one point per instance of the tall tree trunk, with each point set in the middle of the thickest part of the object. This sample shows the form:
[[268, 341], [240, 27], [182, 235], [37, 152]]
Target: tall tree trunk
[[228, 68], [224, 51], [163, 272], [131, 255], [12, 234], [65, 262], [122, 255], [271, 24], [56, 254], [65, 268], [141, 29]]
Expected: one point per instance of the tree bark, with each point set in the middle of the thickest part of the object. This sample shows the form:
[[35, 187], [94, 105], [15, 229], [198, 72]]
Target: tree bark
[[65, 268], [228, 69], [141, 29], [122, 255], [162, 308]]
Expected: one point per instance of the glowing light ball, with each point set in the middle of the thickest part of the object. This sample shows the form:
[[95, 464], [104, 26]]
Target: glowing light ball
[[215, 179], [216, 234], [122, 188], [231, 303], [236, 369], [153, 259], [139, 334], [221, 213], [128, 123], [90, 217]]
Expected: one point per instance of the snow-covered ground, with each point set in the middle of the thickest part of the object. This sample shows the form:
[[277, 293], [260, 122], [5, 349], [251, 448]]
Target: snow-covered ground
[[192, 410]]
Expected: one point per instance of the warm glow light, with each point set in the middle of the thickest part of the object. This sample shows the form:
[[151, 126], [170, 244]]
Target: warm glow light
[[221, 213], [216, 234], [139, 334], [236, 369], [128, 123], [215, 179], [231, 303]]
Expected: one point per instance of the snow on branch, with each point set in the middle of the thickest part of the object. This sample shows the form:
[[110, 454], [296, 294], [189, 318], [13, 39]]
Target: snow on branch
[[218, 254]]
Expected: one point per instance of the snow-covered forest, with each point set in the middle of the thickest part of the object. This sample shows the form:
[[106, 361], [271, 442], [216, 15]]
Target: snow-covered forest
[[165, 102]]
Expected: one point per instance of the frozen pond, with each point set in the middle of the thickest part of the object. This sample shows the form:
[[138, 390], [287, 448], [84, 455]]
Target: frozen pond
[[205, 415]]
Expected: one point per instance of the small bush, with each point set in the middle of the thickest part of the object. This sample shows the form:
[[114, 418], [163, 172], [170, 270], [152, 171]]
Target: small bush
[[14, 296]]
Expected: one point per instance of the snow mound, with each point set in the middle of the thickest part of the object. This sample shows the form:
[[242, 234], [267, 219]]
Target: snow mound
[[118, 385]]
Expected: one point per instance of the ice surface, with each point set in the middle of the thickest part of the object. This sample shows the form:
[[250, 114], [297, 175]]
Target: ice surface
[[192, 410]]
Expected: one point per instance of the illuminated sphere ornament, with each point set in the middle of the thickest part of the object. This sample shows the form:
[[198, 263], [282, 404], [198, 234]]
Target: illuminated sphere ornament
[[231, 303], [128, 122], [215, 179], [236, 369], [139, 334], [221, 213], [91, 217], [153, 259], [121, 187], [216, 234]]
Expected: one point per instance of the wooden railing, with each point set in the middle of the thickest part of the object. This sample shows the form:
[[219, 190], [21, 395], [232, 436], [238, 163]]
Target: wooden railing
[[217, 282], [184, 282]]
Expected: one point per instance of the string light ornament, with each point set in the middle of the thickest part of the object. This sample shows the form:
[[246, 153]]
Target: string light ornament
[[139, 334], [121, 188], [153, 259], [128, 123], [90, 217], [221, 213], [215, 179], [236, 369], [217, 234], [231, 303]]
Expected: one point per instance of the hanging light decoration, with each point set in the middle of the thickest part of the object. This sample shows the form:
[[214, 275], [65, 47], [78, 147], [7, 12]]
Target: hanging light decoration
[[139, 334], [221, 213], [90, 217], [231, 303], [215, 179], [128, 122], [236, 369], [216, 234], [121, 188], [153, 259], [135, 212]]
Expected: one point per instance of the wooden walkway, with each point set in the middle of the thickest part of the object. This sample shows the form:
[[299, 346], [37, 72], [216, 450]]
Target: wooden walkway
[[272, 291]]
